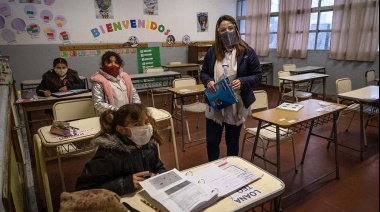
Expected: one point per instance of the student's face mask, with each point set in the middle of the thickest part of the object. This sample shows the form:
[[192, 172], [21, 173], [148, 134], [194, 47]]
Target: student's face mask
[[112, 70], [141, 135], [61, 71]]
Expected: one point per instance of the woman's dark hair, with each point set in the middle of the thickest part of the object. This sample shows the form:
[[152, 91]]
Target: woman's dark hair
[[59, 60], [219, 47], [106, 58], [109, 119]]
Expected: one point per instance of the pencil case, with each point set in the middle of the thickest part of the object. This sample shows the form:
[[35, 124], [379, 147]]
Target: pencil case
[[60, 128]]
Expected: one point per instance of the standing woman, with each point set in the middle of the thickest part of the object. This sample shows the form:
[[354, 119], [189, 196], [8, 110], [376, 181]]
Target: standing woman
[[59, 79], [111, 86], [233, 58]]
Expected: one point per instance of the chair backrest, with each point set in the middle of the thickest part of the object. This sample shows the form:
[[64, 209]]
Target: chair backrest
[[175, 63], [289, 67], [182, 82], [282, 74], [343, 85], [154, 70], [370, 77], [84, 79], [73, 109], [261, 100]]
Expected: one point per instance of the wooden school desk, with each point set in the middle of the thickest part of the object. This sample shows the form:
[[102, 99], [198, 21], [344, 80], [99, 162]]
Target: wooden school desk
[[270, 186], [178, 94], [295, 79], [308, 69], [42, 103], [306, 118], [362, 96], [193, 68], [267, 70]]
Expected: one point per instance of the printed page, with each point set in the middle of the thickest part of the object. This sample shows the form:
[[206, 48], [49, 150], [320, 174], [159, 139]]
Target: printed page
[[178, 192], [226, 177]]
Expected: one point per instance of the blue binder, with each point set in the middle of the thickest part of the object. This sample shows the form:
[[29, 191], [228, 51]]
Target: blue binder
[[224, 95]]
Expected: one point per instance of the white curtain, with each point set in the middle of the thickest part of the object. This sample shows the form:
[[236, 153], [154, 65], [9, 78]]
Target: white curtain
[[293, 28], [257, 25], [355, 30]]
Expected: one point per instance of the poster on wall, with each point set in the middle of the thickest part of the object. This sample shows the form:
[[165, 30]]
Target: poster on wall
[[150, 7], [103, 9], [202, 22], [148, 58]]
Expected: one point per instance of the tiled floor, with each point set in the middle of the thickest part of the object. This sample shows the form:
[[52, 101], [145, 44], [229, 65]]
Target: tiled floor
[[356, 190]]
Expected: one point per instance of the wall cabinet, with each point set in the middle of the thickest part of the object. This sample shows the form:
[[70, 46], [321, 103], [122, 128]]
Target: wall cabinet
[[197, 52]]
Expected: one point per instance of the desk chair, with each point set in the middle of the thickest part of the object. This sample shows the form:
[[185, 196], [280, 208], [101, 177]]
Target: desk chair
[[370, 77], [71, 110], [194, 106], [160, 116], [286, 95], [162, 90], [344, 85], [268, 134]]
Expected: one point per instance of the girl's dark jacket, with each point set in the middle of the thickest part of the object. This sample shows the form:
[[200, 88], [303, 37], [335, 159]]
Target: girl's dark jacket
[[115, 161], [52, 82], [248, 71]]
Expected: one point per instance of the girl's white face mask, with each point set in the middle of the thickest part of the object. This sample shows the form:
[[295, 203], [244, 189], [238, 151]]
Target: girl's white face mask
[[61, 72], [141, 135]]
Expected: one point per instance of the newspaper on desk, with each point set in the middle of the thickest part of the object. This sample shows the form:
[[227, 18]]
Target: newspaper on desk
[[192, 191]]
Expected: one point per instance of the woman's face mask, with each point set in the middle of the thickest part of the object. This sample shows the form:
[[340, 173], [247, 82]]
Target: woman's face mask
[[60, 69], [112, 70], [141, 135]]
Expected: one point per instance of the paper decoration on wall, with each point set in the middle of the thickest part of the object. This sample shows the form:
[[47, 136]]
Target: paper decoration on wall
[[31, 1], [49, 2], [5, 9], [49, 33], [2, 22], [33, 30], [9, 36], [133, 41], [170, 39], [202, 23], [30, 10], [60, 20], [19, 25], [186, 39], [103, 9], [46, 16], [64, 37], [151, 7]]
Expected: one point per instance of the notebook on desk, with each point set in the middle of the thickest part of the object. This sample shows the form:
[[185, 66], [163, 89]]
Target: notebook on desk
[[70, 92]]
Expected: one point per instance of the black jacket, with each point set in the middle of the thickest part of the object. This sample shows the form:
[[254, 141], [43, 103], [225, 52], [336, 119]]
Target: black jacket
[[52, 82], [248, 72], [114, 163]]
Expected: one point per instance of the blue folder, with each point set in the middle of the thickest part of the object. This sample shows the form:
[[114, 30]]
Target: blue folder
[[224, 95]]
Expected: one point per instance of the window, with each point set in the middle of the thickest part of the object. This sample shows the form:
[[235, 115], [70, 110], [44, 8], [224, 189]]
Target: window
[[320, 23]]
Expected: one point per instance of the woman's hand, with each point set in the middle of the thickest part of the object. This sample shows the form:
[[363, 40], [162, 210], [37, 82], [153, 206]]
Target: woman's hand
[[210, 85], [63, 89], [138, 177], [235, 84]]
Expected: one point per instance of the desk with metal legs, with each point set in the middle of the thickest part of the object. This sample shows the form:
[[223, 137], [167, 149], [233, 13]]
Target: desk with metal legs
[[311, 115]]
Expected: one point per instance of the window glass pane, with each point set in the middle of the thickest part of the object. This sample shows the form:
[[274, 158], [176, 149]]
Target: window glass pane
[[243, 8], [239, 8], [273, 41], [314, 3], [273, 23], [325, 20], [242, 37], [274, 7], [313, 21], [323, 42], [242, 26], [327, 3], [311, 42]]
